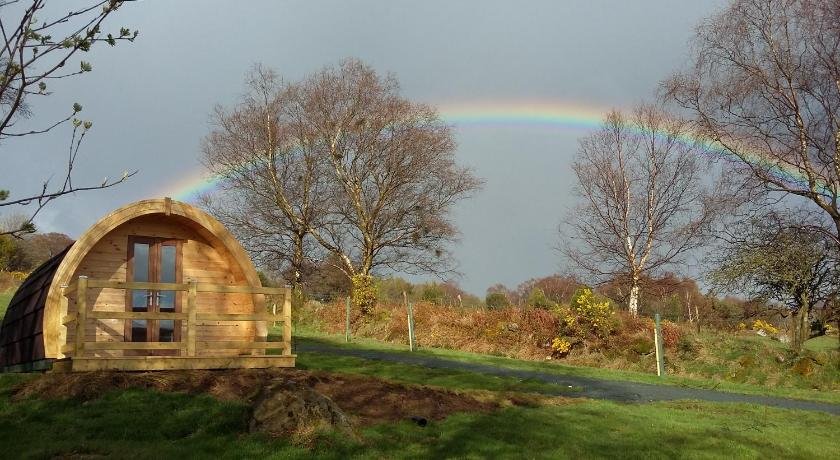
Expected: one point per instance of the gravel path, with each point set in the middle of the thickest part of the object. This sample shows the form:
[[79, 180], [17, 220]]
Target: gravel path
[[614, 390]]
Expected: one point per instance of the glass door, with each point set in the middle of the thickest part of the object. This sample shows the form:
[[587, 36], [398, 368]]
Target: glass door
[[153, 260]]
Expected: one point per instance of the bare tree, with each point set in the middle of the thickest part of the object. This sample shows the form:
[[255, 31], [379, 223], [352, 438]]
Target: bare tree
[[764, 87], [275, 183], [643, 205], [37, 46], [343, 159], [393, 171]]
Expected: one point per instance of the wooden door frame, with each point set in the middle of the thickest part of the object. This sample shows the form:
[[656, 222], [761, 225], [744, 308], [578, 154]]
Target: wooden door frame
[[155, 243]]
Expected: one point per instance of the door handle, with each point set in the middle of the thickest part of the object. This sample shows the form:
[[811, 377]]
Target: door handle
[[153, 295]]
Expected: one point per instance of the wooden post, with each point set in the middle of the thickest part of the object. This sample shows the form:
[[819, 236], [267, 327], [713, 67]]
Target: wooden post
[[287, 321], [81, 316], [411, 345], [347, 320], [660, 352], [191, 315], [63, 307]]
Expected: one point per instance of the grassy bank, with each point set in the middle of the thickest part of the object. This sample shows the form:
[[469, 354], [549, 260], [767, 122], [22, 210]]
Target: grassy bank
[[554, 367], [731, 360]]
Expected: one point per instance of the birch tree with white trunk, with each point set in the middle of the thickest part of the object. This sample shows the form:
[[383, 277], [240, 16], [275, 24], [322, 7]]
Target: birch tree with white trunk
[[643, 203]]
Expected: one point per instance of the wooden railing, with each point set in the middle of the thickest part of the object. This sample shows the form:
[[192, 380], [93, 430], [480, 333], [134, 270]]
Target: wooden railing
[[189, 345]]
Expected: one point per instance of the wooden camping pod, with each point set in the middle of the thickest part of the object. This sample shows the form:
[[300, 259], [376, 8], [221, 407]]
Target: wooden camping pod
[[217, 310]]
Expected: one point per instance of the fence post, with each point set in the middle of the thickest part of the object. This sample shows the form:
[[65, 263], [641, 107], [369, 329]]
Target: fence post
[[191, 315], [660, 352], [287, 321], [411, 341], [347, 320], [81, 316]]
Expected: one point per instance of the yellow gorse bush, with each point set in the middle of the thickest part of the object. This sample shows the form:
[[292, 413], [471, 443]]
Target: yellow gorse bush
[[598, 314], [760, 325], [364, 293], [560, 345]]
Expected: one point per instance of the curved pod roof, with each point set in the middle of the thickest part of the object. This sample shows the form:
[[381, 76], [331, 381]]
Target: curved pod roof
[[204, 223]]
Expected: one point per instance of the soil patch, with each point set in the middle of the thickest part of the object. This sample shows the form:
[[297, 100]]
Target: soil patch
[[368, 400]]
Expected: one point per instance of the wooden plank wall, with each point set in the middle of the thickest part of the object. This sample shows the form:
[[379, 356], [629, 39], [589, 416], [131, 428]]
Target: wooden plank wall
[[202, 261]]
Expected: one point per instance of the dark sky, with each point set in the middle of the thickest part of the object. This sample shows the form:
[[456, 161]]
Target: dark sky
[[150, 100]]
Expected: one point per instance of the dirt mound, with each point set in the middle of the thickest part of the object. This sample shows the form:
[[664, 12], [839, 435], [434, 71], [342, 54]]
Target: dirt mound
[[285, 408], [367, 399], [373, 400]]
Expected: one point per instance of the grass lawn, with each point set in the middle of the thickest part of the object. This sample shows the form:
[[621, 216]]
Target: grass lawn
[[148, 424], [406, 373], [823, 343], [557, 368]]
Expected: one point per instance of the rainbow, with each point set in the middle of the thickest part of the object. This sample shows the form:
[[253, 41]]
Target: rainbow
[[516, 114]]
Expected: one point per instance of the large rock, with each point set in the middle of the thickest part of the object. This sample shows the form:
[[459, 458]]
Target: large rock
[[284, 408]]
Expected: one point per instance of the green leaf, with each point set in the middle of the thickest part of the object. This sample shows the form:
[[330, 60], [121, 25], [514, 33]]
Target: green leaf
[[77, 107], [4, 195], [42, 86], [88, 124], [86, 66]]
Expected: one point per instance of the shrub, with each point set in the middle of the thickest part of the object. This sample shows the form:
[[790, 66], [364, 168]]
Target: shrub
[[671, 334], [496, 300], [364, 293], [818, 327], [760, 325], [686, 346], [560, 346], [390, 290], [595, 313], [642, 345], [432, 293], [537, 298]]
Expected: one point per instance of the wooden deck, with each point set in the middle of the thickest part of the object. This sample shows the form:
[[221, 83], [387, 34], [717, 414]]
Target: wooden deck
[[159, 363], [191, 352]]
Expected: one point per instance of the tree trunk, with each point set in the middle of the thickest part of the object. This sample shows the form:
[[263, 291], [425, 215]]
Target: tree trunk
[[801, 327], [297, 261], [633, 303]]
